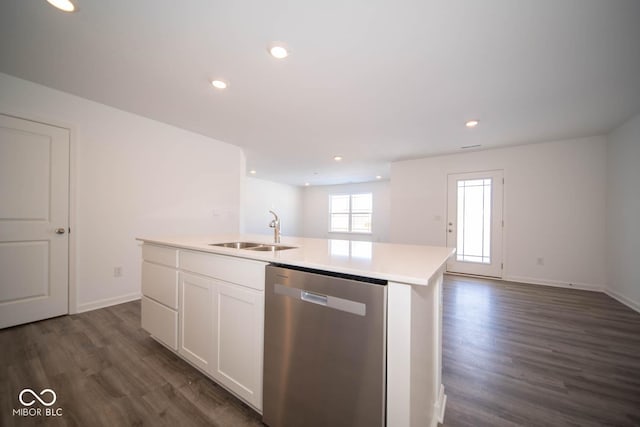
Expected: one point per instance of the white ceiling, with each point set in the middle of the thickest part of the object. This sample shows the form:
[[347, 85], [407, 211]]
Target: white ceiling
[[374, 81]]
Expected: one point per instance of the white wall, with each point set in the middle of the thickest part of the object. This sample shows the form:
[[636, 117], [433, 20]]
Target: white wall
[[316, 210], [623, 213], [260, 196], [133, 177], [554, 207]]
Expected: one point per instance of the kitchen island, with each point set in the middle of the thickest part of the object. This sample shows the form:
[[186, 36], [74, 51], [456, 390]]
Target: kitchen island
[[206, 303]]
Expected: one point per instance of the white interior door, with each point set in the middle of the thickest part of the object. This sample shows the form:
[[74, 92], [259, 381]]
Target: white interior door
[[34, 221], [474, 222]]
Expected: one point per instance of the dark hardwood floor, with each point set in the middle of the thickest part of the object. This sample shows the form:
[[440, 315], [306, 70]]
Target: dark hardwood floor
[[517, 354], [513, 355], [107, 371]]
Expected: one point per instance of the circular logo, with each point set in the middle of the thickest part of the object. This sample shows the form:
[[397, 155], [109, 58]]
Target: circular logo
[[35, 397]]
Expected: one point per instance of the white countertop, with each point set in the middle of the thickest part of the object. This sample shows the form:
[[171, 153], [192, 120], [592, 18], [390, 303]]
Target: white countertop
[[411, 264]]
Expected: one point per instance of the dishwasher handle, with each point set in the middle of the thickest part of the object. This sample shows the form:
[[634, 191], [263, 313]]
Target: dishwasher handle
[[314, 298], [328, 301]]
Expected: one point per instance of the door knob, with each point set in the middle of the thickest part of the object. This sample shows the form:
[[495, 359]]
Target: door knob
[[60, 230]]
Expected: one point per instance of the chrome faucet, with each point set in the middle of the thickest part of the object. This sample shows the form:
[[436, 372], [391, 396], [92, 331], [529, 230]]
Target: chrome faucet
[[275, 224]]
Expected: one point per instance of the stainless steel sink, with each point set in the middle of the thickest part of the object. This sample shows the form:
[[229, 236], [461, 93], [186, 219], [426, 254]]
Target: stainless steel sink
[[273, 248], [236, 245], [263, 247]]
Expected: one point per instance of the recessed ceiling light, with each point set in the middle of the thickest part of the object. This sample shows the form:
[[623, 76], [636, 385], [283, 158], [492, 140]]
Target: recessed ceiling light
[[278, 51], [337, 158], [64, 5], [472, 123], [306, 184], [378, 176], [252, 172], [219, 84]]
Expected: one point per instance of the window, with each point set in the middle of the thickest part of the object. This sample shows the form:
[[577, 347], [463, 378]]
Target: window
[[474, 221], [350, 213]]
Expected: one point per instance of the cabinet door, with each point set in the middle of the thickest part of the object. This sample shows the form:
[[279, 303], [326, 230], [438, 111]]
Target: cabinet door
[[238, 336], [196, 319]]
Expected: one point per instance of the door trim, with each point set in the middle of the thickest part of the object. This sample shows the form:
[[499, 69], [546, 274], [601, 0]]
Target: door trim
[[72, 302]]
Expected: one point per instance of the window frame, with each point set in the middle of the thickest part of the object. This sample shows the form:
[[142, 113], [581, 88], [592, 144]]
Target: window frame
[[350, 213]]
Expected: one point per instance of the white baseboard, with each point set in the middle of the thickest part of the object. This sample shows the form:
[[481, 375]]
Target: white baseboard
[[555, 283], [107, 302], [634, 305]]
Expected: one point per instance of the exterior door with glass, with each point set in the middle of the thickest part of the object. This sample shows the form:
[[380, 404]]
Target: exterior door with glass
[[474, 222]]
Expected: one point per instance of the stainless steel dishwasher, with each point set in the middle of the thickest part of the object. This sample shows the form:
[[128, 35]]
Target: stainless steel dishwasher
[[324, 349]]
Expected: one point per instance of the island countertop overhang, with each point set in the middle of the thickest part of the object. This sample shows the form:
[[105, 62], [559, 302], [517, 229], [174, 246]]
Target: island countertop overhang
[[401, 263]]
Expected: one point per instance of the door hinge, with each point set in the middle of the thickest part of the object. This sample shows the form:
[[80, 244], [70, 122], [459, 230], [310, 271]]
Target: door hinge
[[502, 266], [503, 222], [502, 181]]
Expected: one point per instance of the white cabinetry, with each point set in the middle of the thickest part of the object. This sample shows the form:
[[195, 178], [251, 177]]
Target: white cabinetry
[[196, 319], [160, 294], [210, 309], [238, 340], [222, 320], [160, 322]]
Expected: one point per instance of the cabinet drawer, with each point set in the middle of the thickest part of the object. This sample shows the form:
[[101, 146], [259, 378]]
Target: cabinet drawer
[[160, 321], [160, 283], [160, 255], [245, 272]]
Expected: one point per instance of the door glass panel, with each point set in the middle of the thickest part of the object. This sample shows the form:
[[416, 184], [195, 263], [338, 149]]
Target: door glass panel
[[474, 221]]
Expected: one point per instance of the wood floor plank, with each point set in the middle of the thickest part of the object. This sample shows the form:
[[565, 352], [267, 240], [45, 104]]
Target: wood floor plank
[[107, 371], [513, 355], [536, 355]]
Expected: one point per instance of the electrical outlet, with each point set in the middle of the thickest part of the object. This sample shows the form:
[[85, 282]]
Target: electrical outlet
[[117, 271], [540, 261]]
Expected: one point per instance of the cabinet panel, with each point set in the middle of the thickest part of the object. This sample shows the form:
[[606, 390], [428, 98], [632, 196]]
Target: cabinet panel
[[160, 255], [217, 321], [160, 321], [241, 271], [238, 341], [160, 283], [196, 319]]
